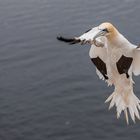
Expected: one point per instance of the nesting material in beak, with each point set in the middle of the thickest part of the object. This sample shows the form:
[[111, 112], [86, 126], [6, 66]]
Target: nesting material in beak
[[98, 43]]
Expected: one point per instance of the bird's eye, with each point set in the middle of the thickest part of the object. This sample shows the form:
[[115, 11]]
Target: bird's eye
[[105, 30]]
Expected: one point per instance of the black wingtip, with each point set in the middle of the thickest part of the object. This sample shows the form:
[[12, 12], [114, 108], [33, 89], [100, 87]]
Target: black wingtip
[[59, 38], [69, 40]]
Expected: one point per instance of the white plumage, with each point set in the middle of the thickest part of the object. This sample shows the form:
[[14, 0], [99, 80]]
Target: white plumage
[[115, 59]]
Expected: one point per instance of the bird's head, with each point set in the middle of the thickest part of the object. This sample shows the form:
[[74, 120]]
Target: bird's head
[[106, 29]]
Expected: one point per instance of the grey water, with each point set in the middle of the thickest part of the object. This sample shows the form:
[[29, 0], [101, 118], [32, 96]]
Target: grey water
[[49, 90]]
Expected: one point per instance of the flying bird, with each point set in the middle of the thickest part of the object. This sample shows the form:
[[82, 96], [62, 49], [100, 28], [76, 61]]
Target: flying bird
[[116, 60]]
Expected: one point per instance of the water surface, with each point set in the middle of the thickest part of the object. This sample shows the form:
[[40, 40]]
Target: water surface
[[49, 90]]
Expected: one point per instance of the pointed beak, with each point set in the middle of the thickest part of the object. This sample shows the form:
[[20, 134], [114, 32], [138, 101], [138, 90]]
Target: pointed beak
[[102, 32]]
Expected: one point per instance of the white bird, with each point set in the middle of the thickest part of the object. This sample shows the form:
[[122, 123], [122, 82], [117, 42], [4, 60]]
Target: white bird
[[115, 59]]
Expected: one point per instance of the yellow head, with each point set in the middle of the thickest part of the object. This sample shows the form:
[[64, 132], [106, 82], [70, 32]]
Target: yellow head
[[107, 25], [108, 30]]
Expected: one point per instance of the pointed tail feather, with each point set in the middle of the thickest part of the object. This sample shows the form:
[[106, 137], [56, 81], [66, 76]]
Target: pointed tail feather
[[125, 102], [126, 116]]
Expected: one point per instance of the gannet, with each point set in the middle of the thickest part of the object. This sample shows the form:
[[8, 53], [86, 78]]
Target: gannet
[[115, 59]]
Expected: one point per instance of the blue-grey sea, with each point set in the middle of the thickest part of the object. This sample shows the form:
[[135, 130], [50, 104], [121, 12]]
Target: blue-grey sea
[[48, 89]]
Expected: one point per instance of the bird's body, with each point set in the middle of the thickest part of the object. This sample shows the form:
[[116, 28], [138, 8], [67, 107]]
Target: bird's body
[[123, 96], [115, 59]]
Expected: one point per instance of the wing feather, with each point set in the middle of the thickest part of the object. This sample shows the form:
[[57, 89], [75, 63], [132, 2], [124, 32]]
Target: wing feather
[[99, 52], [136, 62], [86, 38]]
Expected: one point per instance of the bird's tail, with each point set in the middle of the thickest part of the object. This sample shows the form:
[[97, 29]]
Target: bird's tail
[[125, 102]]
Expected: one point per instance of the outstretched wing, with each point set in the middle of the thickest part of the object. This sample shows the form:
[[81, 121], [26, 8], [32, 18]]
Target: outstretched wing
[[98, 56], [86, 38], [136, 62], [98, 52]]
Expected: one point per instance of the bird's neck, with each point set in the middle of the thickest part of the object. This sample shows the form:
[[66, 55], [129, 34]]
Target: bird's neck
[[113, 35], [116, 39]]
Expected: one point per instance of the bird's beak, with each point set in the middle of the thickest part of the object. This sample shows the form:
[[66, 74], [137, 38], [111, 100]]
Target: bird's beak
[[102, 32]]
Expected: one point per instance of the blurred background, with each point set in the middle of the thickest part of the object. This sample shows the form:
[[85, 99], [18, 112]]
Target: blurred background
[[49, 90]]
